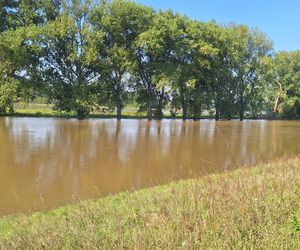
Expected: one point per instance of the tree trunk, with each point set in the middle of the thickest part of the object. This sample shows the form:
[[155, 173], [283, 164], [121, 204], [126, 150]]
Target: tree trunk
[[242, 108], [81, 114], [2, 111], [119, 110], [159, 110], [119, 103], [160, 105], [118, 98], [197, 112], [149, 108], [217, 115], [11, 108], [275, 110], [149, 102], [184, 110]]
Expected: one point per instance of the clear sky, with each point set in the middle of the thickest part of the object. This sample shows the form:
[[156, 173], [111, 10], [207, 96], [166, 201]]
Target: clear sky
[[279, 19]]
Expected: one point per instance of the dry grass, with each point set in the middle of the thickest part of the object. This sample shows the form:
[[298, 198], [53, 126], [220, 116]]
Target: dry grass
[[254, 208]]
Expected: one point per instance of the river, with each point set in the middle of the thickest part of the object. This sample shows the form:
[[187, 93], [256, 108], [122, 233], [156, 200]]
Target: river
[[48, 162]]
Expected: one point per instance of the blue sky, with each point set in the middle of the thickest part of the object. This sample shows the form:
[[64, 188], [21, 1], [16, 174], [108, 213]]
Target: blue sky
[[279, 19]]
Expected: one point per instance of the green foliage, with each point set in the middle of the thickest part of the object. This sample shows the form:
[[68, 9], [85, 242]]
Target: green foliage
[[282, 79], [7, 14], [8, 95], [119, 22], [65, 68], [21, 13], [250, 47], [84, 56], [12, 57], [18, 55]]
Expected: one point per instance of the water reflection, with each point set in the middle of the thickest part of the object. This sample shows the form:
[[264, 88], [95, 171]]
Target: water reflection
[[48, 162]]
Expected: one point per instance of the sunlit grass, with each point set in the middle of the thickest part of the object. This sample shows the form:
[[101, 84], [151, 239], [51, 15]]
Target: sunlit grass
[[44, 110], [250, 208]]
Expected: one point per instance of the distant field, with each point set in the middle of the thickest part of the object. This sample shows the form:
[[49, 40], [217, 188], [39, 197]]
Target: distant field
[[35, 109], [45, 110]]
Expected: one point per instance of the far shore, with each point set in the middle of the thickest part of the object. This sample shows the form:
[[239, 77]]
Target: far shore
[[46, 111]]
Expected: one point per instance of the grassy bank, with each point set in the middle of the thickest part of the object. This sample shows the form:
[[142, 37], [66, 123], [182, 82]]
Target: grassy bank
[[254, 208], [44, 110]]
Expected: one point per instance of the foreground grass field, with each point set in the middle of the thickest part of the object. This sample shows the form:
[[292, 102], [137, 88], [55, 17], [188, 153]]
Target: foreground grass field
[[250, 208]]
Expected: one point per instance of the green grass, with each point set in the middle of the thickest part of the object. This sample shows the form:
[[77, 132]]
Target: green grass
[[249, 208], [44, 110]]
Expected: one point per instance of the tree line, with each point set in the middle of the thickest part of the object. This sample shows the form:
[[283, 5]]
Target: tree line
[[83, 55]]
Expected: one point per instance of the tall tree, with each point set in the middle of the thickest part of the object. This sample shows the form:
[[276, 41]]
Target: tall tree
[[282, 77], [153, 50], [221, 89], [120, 22], [249, 49], [18, 23], [193, 57], [66, 62]]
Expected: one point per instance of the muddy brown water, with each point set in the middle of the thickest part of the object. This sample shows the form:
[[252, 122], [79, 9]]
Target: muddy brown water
[[45, 162]]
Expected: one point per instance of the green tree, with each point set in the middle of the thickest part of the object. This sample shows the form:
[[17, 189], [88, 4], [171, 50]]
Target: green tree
[[153, 50], [12, 58], [194, 55], [18, 22], [121, 22], [249, 49], [282, 76], [66, 62], [201, 53]]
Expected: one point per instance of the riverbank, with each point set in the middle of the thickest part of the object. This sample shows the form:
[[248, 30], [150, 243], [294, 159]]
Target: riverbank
[[248, 208], [44, 110]]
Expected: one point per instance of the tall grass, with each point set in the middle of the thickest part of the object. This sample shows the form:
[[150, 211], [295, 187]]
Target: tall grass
[[250, 208]]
